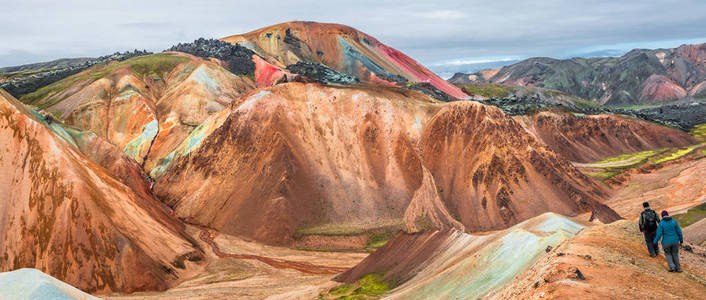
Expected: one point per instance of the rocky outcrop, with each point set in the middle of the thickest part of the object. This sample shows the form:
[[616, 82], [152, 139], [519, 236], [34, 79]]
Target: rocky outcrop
[[236, 57], [321, 73]]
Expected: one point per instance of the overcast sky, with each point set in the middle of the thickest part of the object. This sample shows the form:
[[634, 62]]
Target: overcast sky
[[443, 35]]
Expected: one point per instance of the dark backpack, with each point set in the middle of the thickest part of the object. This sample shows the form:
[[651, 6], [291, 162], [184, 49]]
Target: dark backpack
[[650, 218]]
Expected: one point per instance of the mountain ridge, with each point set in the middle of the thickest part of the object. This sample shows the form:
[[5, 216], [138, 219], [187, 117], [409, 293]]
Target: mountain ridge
[[341, 48], [641, 76]]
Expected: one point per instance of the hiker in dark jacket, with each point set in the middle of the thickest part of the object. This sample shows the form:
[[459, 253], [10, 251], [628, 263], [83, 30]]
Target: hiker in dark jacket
[[648, 226], [670, 233]]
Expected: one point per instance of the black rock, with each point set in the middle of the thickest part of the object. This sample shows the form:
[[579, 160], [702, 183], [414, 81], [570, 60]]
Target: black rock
[[579, 275], [321, 73], [688, 248], [237, 57], [430, 90]]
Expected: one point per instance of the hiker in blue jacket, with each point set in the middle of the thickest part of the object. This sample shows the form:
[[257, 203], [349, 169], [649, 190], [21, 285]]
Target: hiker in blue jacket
[[670, 233]]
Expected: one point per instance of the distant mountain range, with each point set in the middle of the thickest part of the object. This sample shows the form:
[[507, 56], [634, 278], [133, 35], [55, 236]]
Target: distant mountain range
[[18, 80], [58, 63], [640, 77]]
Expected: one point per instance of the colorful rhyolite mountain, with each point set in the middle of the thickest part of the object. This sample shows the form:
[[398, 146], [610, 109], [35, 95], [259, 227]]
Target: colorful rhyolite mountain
[[455, 265], [341, 48], [145, 105], [639, 77], [71, 218], [300, 155]]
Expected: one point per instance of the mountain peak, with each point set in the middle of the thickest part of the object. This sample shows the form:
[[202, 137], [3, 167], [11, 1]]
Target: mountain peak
[[341, 48]]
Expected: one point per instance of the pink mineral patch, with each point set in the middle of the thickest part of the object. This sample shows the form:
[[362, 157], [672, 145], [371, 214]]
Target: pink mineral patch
[[660, 88], [418, 72], [265, 73]]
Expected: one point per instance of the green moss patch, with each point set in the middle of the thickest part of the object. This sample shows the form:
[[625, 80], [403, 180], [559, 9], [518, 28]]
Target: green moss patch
[[692, 216], [638, 155], [345, 229], [486, 90], [619, 164], [604, 175], [341, 290], [156, 64], [629, 161], [370, 286], [677, 154], [699, 132], [378, 234], [378, 240], [331, 249]]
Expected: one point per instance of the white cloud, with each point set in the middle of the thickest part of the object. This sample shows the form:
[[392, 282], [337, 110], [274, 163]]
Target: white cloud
[[428, 31], [445, 15], [470, 61]]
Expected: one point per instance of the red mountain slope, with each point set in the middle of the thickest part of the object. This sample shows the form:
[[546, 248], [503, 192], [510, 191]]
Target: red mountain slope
[[67, 216], [299, 155]]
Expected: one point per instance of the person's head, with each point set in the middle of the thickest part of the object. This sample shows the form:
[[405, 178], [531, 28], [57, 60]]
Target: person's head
[[664, 213], [645, 204]]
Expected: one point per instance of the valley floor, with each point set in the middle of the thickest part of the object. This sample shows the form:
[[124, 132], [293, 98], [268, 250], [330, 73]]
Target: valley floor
[[601, 261], [230, 278]]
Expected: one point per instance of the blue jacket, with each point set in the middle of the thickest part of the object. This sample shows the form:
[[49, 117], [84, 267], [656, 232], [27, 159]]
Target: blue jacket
[[669, 230]]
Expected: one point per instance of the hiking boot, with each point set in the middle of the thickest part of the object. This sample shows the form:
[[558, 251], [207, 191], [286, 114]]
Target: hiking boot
[[652, 255], [671, 271], [678, 271]]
